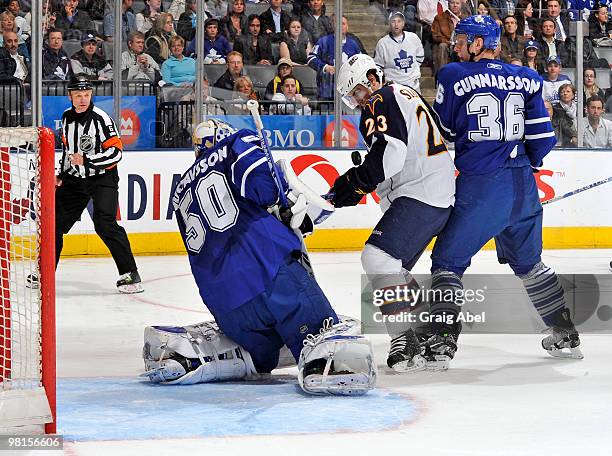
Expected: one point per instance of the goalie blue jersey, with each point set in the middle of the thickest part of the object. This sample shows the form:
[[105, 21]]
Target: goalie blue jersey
[[493, 111], [235, 246]]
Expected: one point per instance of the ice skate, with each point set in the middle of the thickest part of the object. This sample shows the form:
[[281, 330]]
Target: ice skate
[[405, 354], [564, 341], [130, 283], [439, 344]]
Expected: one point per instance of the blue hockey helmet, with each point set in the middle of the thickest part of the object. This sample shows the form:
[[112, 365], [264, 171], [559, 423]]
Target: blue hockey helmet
[[208, 133], [479, 25]]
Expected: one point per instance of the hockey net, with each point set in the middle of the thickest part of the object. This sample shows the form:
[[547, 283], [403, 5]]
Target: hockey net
[[27, 280]]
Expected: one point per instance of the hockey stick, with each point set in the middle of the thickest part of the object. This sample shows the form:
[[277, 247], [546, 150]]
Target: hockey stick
[[253, 107], [578, 190]]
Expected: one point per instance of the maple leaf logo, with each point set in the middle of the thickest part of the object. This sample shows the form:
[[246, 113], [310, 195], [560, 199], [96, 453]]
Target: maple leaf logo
[[403, 61]]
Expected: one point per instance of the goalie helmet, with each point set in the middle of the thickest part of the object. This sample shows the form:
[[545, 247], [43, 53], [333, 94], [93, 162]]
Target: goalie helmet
[[483, 26], [354, 72], [210, 132]]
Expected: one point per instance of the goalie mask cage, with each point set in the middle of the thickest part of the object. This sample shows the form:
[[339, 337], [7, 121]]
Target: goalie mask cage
[[27, 281]]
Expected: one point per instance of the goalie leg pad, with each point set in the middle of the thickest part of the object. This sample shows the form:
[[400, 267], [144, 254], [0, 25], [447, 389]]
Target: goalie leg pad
[[337, 363], [197, 353]]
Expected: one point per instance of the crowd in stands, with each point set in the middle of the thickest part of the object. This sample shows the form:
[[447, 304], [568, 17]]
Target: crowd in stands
[[159, 47]]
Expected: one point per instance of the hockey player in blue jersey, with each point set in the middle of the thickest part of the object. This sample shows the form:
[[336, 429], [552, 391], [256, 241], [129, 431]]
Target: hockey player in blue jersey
[[495, 115], [411, 170], [245, 263]]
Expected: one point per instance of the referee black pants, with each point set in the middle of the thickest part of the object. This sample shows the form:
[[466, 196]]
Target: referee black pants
[[71, 199]]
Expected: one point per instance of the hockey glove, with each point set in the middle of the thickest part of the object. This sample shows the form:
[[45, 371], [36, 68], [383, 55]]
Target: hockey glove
[[296, 217], [348, 189]]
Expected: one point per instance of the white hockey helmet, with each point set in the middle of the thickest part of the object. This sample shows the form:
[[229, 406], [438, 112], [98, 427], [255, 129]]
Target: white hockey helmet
[[208, 133], [354, 72]]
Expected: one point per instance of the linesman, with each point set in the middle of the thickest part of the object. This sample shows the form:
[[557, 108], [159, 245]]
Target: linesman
[[88, 171]]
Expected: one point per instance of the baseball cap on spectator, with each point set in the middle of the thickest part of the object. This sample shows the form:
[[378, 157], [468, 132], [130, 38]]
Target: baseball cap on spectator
[[553, 59], [87, 37], [284, 61], [532, 44], [211, 20], [398, 14]]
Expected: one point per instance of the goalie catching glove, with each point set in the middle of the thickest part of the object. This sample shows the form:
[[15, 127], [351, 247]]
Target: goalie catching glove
[[349, 188]]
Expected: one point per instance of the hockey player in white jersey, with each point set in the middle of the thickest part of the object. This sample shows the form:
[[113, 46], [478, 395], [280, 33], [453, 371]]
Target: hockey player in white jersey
[[411, 170], [400, 53]]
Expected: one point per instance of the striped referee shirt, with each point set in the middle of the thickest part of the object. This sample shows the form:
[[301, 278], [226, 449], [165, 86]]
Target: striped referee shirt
[[93, 134]]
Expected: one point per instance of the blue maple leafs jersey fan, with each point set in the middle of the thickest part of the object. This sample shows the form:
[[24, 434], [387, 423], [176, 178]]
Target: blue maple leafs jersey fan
[[235, 246], [498, 103]]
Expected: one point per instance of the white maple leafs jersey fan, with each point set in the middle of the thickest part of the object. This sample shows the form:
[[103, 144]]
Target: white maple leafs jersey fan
[[415, 161], [400, 59]]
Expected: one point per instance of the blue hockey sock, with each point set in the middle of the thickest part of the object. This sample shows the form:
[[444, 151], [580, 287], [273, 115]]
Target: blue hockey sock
[[545, 292]]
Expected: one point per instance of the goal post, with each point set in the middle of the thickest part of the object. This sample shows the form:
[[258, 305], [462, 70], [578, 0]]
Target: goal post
[[27, 281]]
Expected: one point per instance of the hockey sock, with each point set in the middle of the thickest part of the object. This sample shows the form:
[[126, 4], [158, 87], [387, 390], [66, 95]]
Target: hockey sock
[[445, 285], [394, 290], [545, 292]]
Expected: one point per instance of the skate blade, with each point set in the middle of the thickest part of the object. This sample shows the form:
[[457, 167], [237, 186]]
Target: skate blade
[[131, 288], [440, 363], [418, 363], [566, 353]]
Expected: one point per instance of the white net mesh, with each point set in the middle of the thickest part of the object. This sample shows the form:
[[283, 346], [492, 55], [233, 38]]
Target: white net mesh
[[20, 297]]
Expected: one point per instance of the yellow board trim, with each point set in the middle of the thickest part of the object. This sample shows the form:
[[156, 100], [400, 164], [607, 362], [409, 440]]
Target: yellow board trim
[[577, 237]]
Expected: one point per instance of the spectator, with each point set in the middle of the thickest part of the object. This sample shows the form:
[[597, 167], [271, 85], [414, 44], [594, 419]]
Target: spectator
[[400, 53], [567, 102], [135, 64], [274, 21], [512, 44], [176, 8], [216, 46], [56, 63], [504, 8], [8, 24], [289, 102], [427, 10], [22, 65], [72, 20], [322, 59], [484, 9], [591, 88], [217, 8], [554, 80], [243, 91], [178, 70], [128, 18], [598, 133], [560, 19], [235, 22], [564, 131], [441, 30], [157, 41], [296, 44], [600, 25], [532, 57], [315, 22], [186, 26], [23, 26], [8, 66], [285, 68], [526, 24], [549, 45], [516, 61], [145, 19], [211, 105], [227, 81], [256, 49], [88, 62]]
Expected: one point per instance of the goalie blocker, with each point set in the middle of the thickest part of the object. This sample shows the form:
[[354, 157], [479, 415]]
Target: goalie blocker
[[336, 361]]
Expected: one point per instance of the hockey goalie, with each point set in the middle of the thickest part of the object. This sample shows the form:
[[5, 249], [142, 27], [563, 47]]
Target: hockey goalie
[[252, 271]]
